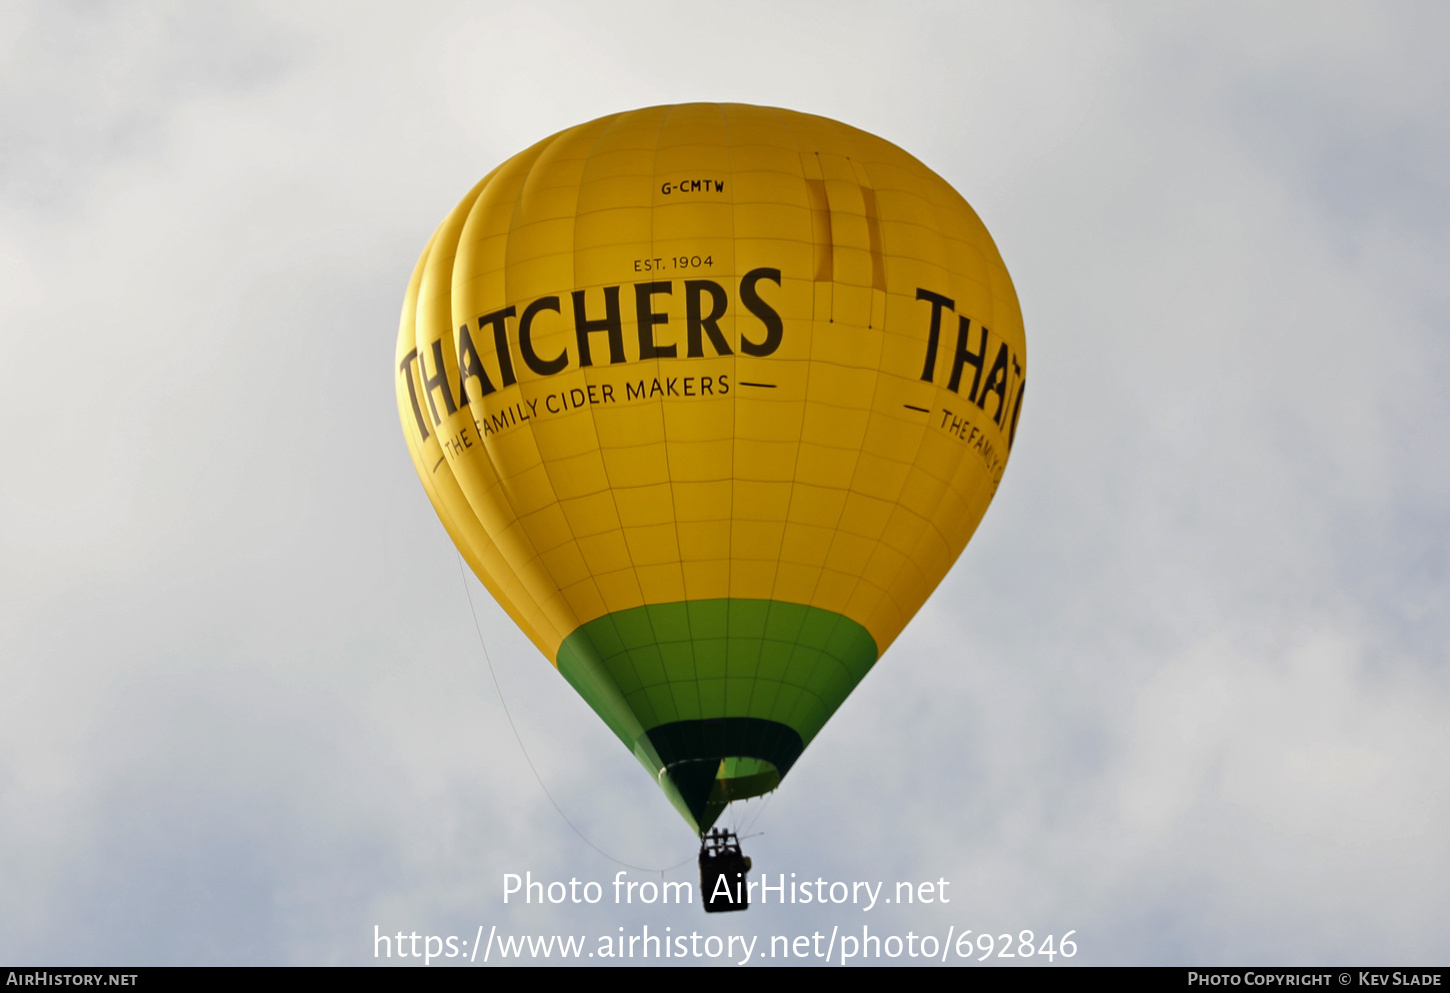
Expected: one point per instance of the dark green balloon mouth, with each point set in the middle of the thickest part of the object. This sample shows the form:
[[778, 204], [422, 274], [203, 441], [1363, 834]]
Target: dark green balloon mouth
[[712, 762], [717, 698]]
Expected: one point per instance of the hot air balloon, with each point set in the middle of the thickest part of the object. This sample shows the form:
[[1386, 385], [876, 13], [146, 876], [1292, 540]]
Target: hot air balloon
[[710, 397]]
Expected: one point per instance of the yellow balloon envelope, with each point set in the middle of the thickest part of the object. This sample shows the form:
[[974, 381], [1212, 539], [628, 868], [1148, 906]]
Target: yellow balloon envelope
[[711, 397]]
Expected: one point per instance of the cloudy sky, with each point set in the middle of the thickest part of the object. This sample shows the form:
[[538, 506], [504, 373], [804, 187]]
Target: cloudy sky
[[1186, 693]]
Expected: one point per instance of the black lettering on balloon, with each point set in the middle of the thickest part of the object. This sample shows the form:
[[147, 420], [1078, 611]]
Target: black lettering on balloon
[[697, 322], [646, 318], [544, 367], [469, 366], [1016, 412], [437, 381], [499, 319], [928, 369], [774, 327], [965, 357], [996, 383], [405, 368], [609, 323]]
